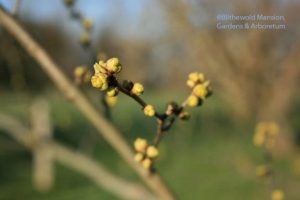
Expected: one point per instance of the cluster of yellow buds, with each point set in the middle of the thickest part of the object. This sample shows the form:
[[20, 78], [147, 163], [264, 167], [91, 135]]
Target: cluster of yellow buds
[[145, 153], [103, 71], [82, 74], [277, 194], [200, 87], [149, 110], [265, 134], [110, 67]]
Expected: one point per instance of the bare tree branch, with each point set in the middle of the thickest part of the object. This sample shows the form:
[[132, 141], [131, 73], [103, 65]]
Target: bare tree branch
[[105, 128]]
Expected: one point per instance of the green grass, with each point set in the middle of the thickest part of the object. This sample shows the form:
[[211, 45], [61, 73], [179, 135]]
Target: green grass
[[209, 157]]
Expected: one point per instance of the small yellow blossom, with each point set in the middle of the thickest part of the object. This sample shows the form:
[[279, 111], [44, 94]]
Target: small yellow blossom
[[87, 24], [113, 65], [149, 110], [192, 101], [112, 92], [262, 170], [196, 77], [137, 89], [140, 145], [100, 67], [265, 134], [277, 194], [85, 39], [190, 83], [259, 138], [138, 157], [82, 74], [273, 129], [99, 81], [111, 101], [80, 71], [147, 163], [200, 91], [152, 152]]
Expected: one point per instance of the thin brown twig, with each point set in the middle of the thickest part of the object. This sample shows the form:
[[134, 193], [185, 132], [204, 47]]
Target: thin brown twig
[[162, 118], [105, 128], [159, 132], [138, 100]]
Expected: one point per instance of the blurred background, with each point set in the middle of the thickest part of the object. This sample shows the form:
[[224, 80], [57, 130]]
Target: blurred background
[[255, 75]]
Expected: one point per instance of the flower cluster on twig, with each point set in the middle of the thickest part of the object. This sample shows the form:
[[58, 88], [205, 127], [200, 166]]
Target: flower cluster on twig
[[105, 79], [265, 136]]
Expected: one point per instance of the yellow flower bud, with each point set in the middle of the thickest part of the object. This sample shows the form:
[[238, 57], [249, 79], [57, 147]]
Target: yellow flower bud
[[85, 39], [190, 83], [111, 101], [112, 92], [137, 89], [113, 65], [140, 145], [273, 129], [192, 101], [200, 91], [277, 195], [96, 81], [262, 170], [147, 163], [265, 134], [149, 111], [104, 86], [87, 24], [99, 81], [193, 76], [152, 152], [80, 71], [100, 67], [196, 77], [259, 138], [138, 157]]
